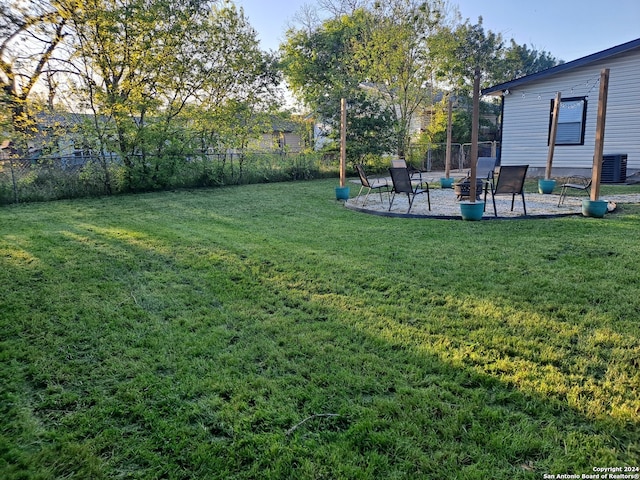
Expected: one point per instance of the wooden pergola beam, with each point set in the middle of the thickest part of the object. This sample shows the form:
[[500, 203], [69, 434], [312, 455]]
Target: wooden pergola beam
[[596, 174], [552, 135], [447, 161], [343, 141], [475, 122]]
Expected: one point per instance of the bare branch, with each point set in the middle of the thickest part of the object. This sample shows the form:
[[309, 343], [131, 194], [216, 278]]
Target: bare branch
[[46, 56]]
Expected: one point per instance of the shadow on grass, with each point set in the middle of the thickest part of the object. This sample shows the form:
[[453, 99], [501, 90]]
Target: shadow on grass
[[190, 347]]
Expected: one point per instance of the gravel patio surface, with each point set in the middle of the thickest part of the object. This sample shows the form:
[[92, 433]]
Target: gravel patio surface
[[445, 205]]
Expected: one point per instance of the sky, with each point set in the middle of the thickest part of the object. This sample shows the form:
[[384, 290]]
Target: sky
[[567, 29]]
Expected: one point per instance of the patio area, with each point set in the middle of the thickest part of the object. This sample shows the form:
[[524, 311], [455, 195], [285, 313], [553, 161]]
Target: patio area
[[444, 204]]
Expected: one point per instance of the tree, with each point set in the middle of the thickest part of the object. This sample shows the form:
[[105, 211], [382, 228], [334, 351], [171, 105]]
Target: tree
[[468, 54], [459, 49], [30, 33], [463, 49], [397, 60], [381, 47], [368, 126], [321, 68], [339, 8], [320, 63], [143, 62], [520, 60]]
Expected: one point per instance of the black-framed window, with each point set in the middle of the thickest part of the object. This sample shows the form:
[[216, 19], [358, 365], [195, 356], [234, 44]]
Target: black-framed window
[[571, 121]]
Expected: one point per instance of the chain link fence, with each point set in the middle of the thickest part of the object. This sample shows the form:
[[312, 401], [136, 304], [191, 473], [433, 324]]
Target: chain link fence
[[54, 178], [432, 157]]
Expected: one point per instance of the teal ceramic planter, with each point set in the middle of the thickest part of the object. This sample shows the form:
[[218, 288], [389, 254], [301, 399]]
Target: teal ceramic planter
[[594, 208], [342, 193], [446, 182], [546, 186], [471, 210]]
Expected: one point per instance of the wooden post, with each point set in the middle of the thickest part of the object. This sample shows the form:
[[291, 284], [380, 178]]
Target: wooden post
[[600, 123], [552, 135], [447, 161], [343, 141], [475, 125]]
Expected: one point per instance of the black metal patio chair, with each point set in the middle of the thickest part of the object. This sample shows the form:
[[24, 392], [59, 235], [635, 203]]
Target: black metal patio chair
[[370, 184], [510, 181], [414, 173], [576, 182], [401, 180], [485, 173]]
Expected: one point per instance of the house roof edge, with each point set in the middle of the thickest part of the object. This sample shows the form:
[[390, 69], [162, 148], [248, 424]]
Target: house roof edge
[[618, 49]]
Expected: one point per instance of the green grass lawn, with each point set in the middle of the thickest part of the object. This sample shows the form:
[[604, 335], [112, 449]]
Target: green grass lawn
[[265, 331]]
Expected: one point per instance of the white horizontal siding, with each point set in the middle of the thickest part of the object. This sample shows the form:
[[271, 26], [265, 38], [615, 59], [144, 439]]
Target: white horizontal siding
[[526, 115]]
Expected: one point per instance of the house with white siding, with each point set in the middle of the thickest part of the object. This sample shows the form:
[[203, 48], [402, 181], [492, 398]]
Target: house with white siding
[[527, 105]]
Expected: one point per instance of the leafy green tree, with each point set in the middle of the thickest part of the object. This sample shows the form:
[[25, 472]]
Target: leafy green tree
[[125, 51], [520, 60], [381, 48], [462, 50], [467, 47], [320, 63], [143, 62], [368, 126], [321, 68], [397, 60], [462, 54], [436, 129]]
